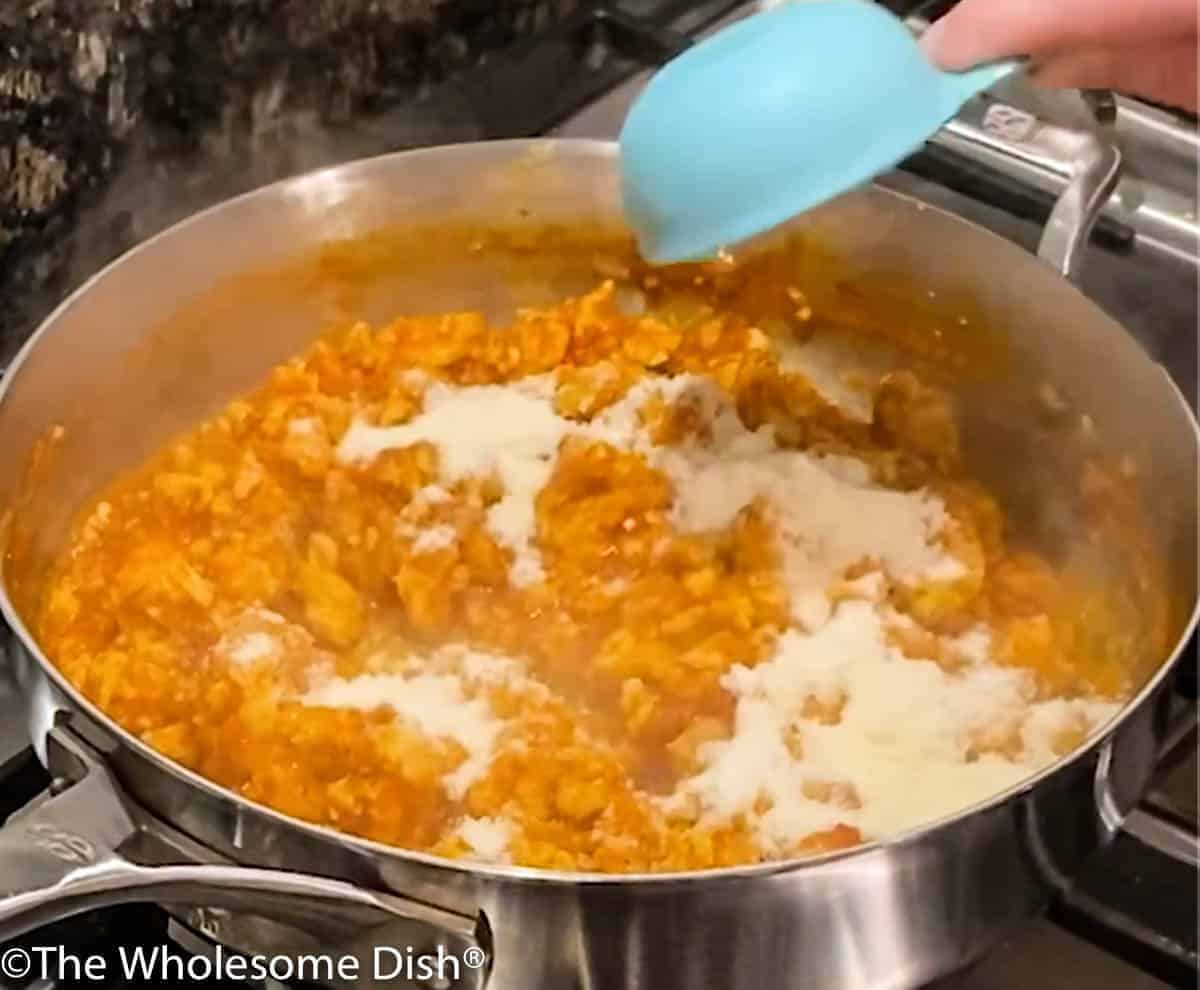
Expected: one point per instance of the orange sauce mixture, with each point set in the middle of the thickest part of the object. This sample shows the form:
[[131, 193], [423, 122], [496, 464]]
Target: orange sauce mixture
[[247, 520]]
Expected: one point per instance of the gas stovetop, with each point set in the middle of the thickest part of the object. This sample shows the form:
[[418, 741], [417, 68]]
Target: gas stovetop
[[1131, 922]]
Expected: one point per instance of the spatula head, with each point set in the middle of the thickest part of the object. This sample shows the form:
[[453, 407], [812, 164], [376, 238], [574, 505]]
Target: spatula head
[[770, 117]]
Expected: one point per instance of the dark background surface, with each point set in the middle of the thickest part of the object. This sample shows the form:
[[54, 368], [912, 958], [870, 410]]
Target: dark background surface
[[119, 116]]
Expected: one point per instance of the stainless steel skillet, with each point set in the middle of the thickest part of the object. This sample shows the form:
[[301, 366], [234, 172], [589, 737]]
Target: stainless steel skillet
[[889, 915]]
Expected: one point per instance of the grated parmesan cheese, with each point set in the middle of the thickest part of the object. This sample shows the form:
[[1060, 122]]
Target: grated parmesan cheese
[[431, 495], [822, 361], [302, 427], [509, 431], [811, 608], [245, 644], [435, 538], [898, 716], [253, 646], [827, 512], [266, 615], [435, 704], [487, 837], [443, 704], [479, 665], [526, 569], [414, 379], [905, 742]]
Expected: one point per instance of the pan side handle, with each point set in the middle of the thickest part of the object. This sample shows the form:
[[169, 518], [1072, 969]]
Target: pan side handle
[[61, 856], [1120, 807], [1080, 166], [1016, 143], [1095, 171]]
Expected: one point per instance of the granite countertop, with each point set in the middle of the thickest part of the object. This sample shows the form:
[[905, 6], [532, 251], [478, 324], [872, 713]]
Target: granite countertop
[[119, 116]]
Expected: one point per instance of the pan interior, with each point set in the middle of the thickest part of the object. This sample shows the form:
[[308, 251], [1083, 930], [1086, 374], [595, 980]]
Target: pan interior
[[175, 331]]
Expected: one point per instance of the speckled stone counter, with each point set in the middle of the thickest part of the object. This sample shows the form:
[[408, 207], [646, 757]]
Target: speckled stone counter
[[119, 116]]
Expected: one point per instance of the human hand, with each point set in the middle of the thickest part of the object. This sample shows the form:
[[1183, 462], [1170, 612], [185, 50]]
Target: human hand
[[1146, 48]]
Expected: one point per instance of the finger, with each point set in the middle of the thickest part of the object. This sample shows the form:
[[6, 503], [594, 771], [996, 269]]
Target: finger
[[1163, 74], [981, 30]]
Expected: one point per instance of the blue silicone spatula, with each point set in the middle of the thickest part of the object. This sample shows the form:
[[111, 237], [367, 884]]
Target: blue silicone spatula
[[776, 114]]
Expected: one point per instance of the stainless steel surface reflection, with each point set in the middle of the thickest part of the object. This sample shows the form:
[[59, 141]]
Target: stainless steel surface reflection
[[893, 915]]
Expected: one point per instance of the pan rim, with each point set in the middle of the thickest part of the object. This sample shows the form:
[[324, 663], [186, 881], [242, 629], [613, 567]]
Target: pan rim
[[599, 149]]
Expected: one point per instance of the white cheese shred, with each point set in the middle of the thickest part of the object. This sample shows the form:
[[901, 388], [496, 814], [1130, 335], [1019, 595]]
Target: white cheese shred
[[909, 741], [434, 704], [488, 838], [905, 743]]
